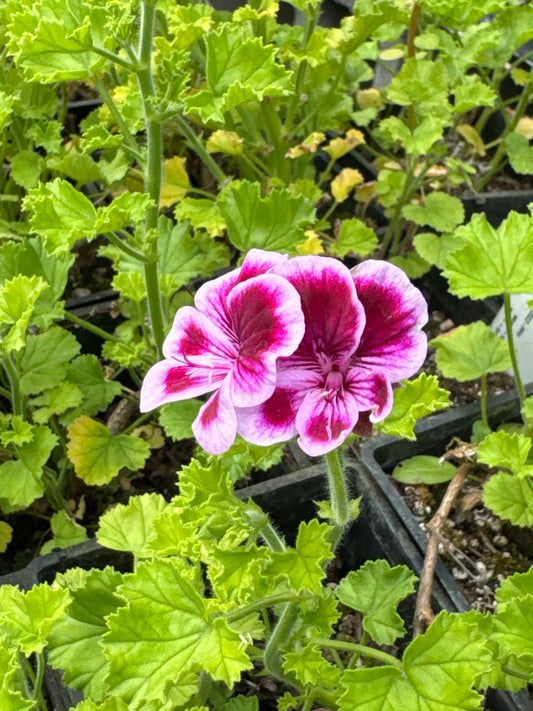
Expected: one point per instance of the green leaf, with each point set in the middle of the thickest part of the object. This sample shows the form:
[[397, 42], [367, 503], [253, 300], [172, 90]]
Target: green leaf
[[417, 142], [202, 214], [355, 237], [88, 375], [129, 527], [21, 480], [238, 70], [303, 566], [471, 93], [163, 632], [375, 590], [513, 630], [11, 682], [66, 533], [412, 264], [176, 418], [514, 587], [471, 351], [276, 222], [55, 401], [26, 168], [441, 211], [439, 669], [236, 575], [435, 248], [308, 666], [45, 359], [17, 301], [126, 210], [15, 430], [98, 456], [520, 153], [74, 644], [510, 498], [418, 398], [487, 265], [61, 213], [422, 83], [28, 617], [6, 536], [503, 449], [527, 409], [424, 469], [81, 167]]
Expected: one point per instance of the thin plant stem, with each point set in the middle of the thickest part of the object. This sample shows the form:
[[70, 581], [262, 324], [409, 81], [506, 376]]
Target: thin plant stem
[[91, 327], [272, 538], [130, 142], [483, 401], [258, 605], [338, 495], [511, 343], [357, 655], [38, 681], [14, 385], [278, 640], [115, 58], [412, 32], [114, 238], [153, 170], [359, 649], [199, 148]]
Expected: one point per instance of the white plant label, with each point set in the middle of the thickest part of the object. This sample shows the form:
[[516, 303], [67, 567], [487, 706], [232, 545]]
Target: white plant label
[[522, 330]]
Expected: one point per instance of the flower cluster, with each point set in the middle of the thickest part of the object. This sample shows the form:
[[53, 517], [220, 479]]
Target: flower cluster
[[292, 347]]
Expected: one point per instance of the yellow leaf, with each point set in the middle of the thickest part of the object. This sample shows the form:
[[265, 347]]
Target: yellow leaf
[[225, 142], [6, 534], [472, 137], [308, 145], [338, 147], [151, 434], [392, 53], [369, 99], [365, 193], [521, 76], [312, 244], [175, 181], [525, 127], [345, 182]]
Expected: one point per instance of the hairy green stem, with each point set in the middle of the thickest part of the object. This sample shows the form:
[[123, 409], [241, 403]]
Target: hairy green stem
[[412, 33], [37, 694], [115, 58], [272, 538], [338, 495], [278, 639], [359, 649], [14, 385], [153, 171], [91, 327], [114, 238], [512, 349], [258, 605]]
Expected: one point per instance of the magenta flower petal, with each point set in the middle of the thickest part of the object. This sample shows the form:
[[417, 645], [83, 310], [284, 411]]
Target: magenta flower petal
[[392, 341], [372, 392], [215, 426], [198, 358], [334, 316], [268, 322], [269, 423], [211, 297], [324, 420]]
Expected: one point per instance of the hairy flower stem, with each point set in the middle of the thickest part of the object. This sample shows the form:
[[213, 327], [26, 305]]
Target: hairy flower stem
[[197, 146], [273, 651], [272, 538], [359, 649], [154, 147], [338, 495], [512, 349]]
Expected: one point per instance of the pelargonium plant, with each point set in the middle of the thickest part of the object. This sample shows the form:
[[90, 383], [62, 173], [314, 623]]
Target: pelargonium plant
[[291, 347]]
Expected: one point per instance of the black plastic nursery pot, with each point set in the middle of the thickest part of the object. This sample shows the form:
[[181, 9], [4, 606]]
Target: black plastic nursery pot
[[402, 536]]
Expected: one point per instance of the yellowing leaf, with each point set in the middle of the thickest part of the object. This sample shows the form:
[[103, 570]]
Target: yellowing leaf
[[369, 99], [472, 137], [225, 142], [338, 147], [308, 145], [343, 184], [525, 127], [175, 182], [98, 456], [312, 244], [6, 534]]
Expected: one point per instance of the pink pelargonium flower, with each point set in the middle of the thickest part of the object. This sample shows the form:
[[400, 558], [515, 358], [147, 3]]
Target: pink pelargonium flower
[[243, 322], [363, 334]]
